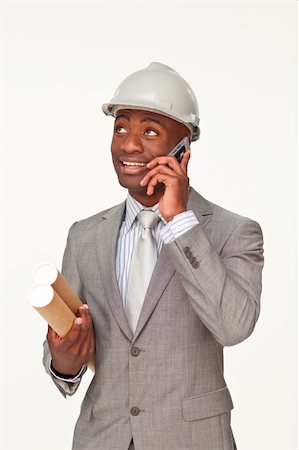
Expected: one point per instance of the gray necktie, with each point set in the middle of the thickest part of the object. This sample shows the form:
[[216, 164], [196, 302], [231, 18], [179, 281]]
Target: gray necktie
[[144, 258]]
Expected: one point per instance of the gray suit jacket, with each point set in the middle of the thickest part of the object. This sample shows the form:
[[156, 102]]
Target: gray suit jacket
[[164, 385]]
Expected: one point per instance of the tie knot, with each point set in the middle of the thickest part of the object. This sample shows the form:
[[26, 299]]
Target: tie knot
[[148, 218]]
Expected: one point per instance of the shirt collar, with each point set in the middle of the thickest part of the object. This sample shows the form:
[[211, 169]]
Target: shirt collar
[[133, 208]]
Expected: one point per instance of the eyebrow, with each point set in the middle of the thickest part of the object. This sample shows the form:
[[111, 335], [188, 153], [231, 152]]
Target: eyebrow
[[151, 119], [122, 116], [145, 119]]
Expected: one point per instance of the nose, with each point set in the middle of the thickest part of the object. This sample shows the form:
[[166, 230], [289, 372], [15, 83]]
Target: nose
[[132, 143]]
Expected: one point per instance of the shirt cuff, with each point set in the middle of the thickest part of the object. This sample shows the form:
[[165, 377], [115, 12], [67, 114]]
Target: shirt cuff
[[68, 379], [180, 224]]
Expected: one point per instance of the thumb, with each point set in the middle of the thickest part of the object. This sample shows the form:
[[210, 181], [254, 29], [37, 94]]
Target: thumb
[[51, 335]]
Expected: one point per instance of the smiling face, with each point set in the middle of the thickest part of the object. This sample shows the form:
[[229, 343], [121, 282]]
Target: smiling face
[[138, 137]]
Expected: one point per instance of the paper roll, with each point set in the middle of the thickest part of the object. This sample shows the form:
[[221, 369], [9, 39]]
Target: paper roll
[[54, 310], [47, 273]]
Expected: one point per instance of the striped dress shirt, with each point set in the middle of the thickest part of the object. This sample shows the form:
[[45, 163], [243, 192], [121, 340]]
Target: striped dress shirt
[[130, 231]]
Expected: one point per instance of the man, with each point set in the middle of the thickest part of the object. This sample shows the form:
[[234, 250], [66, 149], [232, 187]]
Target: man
[[162, 314]]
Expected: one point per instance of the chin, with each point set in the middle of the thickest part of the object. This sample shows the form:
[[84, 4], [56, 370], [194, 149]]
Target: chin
[[132, 187], [128, 183]]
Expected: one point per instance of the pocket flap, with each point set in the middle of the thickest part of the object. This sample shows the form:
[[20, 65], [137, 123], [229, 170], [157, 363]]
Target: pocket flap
[[207, 405]]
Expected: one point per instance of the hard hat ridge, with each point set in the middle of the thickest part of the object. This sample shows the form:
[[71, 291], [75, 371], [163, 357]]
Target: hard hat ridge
[[160, 89]]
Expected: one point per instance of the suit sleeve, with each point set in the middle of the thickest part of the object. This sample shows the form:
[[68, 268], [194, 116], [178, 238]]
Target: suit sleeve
[[70, 272], [224, 288]]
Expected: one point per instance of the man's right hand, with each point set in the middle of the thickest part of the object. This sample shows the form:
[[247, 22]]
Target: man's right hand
[[72, 351]]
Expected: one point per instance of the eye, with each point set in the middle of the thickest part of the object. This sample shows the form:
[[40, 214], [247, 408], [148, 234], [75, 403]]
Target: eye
[[151, 132], [120, 130]]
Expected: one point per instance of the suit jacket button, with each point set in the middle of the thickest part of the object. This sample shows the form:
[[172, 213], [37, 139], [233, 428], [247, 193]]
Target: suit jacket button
[[192, 260], [135, 411], [195, 265], [135, 351], [188, 252]]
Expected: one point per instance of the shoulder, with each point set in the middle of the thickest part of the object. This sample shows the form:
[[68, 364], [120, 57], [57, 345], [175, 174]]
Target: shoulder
[[225, 229], [218, 214], [84, 226], [221, 225]]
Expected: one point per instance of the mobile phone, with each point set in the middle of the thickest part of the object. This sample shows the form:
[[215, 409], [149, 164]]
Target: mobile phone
[[179, 150]]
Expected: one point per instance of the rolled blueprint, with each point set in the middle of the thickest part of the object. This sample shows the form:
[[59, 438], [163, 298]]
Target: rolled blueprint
[[52, 308], [46, 273], [55, 311]]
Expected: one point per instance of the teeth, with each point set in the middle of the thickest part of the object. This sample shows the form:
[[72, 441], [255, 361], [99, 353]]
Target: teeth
[[126, 163]]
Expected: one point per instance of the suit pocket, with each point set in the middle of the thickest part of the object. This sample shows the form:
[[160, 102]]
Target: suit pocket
[[207, 405]]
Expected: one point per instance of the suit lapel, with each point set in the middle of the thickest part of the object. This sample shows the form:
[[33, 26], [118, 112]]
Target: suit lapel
[[107, 234], [201, 208], [164, 270]]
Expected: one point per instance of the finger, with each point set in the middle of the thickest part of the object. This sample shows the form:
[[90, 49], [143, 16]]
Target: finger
[[79, 344], [73, 336], [159, 178], [158, 169], [86, 333], [84, 306], [86, 346], [170, 161], [91, 339], [84, 309], [90, 343], [185, 161], [87, 326], [84, 313], [86, 319]]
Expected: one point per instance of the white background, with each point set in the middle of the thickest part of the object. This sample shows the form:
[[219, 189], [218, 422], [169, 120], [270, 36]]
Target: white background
[[62, 60]]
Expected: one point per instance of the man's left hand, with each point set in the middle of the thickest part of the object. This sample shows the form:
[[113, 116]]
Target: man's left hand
[[168, 171]]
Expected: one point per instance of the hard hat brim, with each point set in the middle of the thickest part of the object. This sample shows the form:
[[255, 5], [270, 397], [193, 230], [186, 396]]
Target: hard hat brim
[[111, 109]]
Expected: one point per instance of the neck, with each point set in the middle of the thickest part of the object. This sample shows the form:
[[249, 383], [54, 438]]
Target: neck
[[148, 200]]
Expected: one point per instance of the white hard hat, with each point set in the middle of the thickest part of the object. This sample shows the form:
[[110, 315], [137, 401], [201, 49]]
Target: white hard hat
[[161, 89]]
